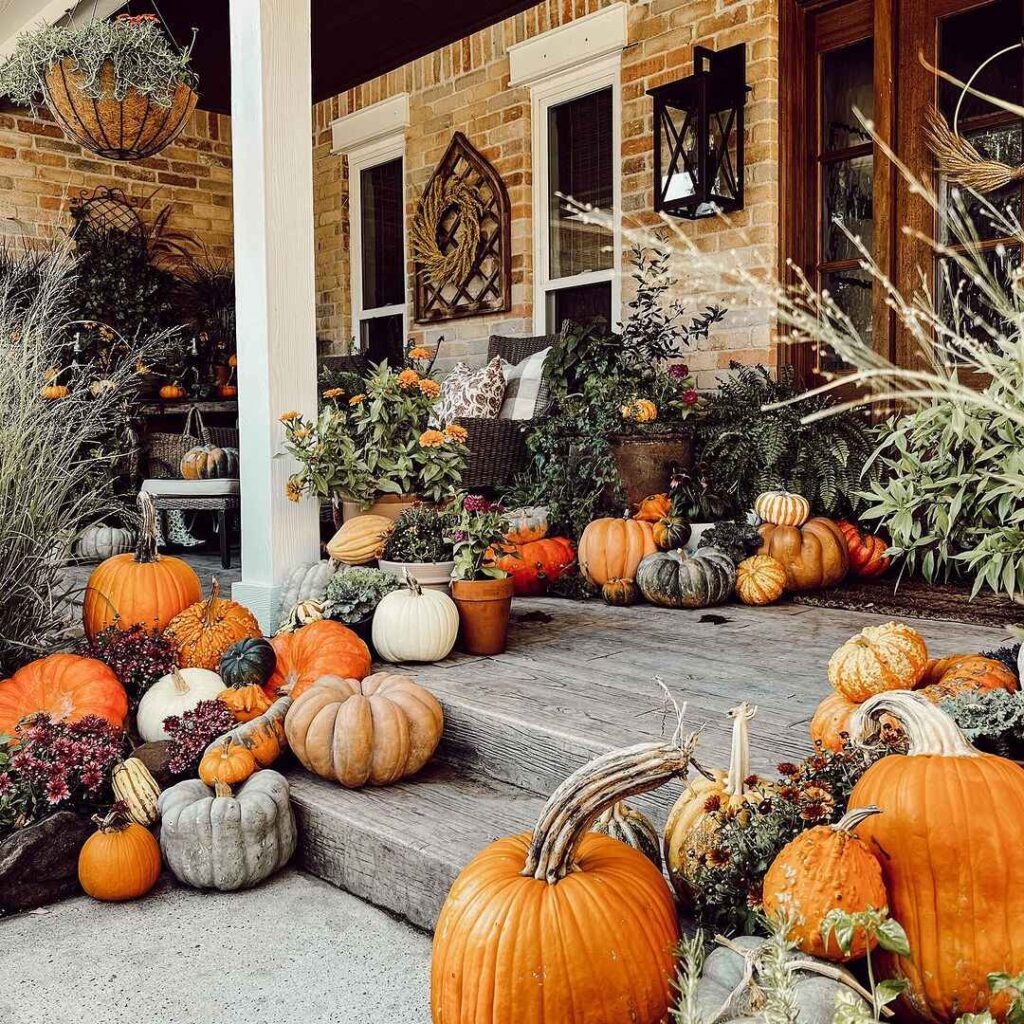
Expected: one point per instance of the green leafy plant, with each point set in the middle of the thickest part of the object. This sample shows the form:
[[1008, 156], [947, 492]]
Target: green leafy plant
[[353, 595], [890, 936], [1008, 984], [737, 538], [137, 49], [992, 720], [479, 527], [745, 448], [420, 534]]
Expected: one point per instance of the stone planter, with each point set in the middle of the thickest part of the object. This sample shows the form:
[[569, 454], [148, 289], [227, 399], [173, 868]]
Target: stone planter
[[429, 575], [645, 464], [39, 864], [389, 505], [484, 609]]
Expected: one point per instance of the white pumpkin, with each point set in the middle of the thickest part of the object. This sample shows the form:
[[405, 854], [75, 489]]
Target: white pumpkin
[[99, 542], [415, 624], [174, 694]]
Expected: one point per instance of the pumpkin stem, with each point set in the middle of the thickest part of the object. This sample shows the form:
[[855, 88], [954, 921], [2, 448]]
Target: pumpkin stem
[[222, 789], [412, 583], [601, 783], [211, 605], [852, 818], [181, 686], [117, 819], [739, 755], [928, 728], [145, 546]]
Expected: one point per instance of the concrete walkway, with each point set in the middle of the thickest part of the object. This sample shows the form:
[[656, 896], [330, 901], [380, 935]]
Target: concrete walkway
[[295, 949]]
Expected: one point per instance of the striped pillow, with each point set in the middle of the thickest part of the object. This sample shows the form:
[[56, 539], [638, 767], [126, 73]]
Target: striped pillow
[[526, 388]]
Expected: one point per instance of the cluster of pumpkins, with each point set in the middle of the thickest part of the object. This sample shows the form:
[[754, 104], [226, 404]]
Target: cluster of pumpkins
[[933, 835], [310, 689], [642, 555]]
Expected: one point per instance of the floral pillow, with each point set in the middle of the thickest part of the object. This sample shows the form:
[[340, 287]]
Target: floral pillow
[[471, 392]]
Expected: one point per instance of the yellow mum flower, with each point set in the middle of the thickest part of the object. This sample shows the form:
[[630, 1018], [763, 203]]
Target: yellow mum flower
[[430, 387], [408, 379], [420, 353], [356, 399], [293, 490], [287, 417], [455, 433], [432, 439], [334, 392], [300, 433]]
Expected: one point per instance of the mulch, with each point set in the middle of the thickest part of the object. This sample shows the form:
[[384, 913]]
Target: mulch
[[916, 598]]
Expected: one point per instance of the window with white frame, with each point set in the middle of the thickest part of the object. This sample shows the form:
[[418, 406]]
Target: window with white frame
[[576, 154], [376, 177]]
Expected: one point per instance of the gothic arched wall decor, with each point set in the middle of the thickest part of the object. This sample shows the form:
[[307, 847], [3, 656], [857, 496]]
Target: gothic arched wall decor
[[461, 239]]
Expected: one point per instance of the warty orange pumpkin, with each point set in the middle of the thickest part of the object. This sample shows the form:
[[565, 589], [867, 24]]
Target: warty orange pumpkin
[[878, 658], [324, 648], [536, 563], [143, 587], [67, 687], [944, 678], [205, 630], [564, 924], [814, 555], [949, 842], [760, 580], [613, 548], [824, 869]]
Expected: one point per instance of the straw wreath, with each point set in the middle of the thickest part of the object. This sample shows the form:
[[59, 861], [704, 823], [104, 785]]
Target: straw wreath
[[456, 265], [961, 162]]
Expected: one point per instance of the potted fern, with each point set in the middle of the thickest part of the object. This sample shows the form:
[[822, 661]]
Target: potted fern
[[118, 88]]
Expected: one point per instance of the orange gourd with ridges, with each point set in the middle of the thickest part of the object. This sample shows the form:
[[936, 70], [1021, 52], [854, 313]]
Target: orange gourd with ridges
[[324, 648], [656, 507], [613, 548], [946, 677], [535, 564], [205, 630], [65, 686]]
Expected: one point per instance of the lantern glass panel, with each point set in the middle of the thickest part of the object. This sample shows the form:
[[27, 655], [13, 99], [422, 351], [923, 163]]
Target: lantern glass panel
[[723, 156], [679, 161]]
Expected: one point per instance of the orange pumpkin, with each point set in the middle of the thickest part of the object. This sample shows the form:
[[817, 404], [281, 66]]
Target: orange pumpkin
[[54, 392], [814, 555], [830, 724], [172, 392], [143, 587], [878, 658], [946, 677], [564, 924], [760, 580], [324, 648], [867, 551], [651, 509], [245, 702], [65, 686], [120, 861], [205, 630], [263, 737], [534, 564], [824, 869], [228, 762], [613, 548], [948, 840]]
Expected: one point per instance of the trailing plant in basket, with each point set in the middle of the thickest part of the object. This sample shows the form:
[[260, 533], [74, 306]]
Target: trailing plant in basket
[[137, 49]]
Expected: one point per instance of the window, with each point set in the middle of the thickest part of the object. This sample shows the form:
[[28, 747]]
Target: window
[[576, 154], [377, 247]]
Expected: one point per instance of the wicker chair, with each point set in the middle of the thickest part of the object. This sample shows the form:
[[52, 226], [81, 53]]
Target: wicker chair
[[497, 448]]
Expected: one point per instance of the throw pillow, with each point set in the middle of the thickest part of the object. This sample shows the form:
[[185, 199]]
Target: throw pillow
[[471, 392], [526, 391]]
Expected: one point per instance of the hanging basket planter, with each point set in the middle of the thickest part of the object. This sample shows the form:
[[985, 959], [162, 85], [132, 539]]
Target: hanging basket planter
[[131, 128]]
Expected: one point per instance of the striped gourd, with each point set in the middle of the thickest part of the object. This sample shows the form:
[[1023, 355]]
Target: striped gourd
[[134, 786], [782, 508]]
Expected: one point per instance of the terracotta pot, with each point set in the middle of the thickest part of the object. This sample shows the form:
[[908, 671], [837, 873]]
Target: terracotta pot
[[390, 505], [484, 607], [430, 575], [645, 464]]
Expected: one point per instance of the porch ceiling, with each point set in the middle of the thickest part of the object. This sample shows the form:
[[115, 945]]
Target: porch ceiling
[[352, 41]]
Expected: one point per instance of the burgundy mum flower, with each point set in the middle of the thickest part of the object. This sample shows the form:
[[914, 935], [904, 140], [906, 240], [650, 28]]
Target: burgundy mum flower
[[690, 397], [57, 790], [679, 371], [475, 503]]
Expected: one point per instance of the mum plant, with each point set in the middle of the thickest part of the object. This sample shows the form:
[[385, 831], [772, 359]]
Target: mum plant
[[479, 528], [379, 441]]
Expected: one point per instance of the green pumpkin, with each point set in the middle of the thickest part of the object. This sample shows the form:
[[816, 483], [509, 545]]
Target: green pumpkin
[[675, 579], [206, 462], [250, 662], [631, 827]]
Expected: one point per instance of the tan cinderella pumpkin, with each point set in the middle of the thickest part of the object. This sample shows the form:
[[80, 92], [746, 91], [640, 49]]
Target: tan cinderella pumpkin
[[372, 732], [564, 925], [782, 508], [879, 658], [360, 540], [949, 842], [613, 548], [814, 555]]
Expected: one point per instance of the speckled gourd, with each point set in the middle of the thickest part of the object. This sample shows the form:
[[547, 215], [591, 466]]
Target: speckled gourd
[[213, 839]]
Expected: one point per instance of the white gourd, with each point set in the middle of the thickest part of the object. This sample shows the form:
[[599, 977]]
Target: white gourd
[[99, 542], [174, 694], [415, 624]]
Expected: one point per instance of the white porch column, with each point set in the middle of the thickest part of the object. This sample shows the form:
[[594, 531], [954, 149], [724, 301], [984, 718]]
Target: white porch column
[[272, 158]]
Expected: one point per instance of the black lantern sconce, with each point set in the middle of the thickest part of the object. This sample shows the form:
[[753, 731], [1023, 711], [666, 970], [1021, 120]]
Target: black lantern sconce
[[698, 136]]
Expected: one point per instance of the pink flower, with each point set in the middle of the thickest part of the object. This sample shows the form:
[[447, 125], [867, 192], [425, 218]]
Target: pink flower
[[57, 790], [690, 397], [679, 371]]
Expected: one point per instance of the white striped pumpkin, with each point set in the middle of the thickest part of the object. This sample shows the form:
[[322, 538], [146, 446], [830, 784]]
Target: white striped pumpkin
[[782, 508]]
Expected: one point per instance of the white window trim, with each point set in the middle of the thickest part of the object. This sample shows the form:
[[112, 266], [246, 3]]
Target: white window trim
[[380, 151], [549, 92]]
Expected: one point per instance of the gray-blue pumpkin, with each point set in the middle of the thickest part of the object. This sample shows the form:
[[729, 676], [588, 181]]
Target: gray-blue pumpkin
[[674, 579]]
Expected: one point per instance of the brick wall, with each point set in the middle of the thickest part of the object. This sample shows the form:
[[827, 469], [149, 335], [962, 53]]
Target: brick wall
[[40, 171], [465, 87]]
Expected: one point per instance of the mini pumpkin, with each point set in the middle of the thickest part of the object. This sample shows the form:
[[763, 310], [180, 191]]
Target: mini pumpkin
[[878, 658], [674, 579], [359, 541], [814, 555], [120, 860], [208, 462], [620, 593], [629, 826], [247, 662], [204, 631], [671, 532], [782, 508], [760, 580], [613, 548], [54, 392], [172, 392], [653, 508], [868, 556], [526, 524], [824, 869], [227, 762], [263, 736], [415, 624], [372, 732]]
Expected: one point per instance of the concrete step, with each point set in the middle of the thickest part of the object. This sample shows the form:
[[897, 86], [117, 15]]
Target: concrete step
[[401, 847]]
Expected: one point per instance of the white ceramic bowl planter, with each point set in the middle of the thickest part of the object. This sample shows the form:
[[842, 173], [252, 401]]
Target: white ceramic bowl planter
[[429, 575], [415, 624]]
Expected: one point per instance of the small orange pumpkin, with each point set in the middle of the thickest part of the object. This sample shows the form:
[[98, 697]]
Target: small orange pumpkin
[[535, 564], [227, 762], [830, 724], [944, 678], [760, 580], [227, 391], [245, 702], [878, 658], [620, 593], [204, 631], [868, 556], [323, 648], [613, 548], [172, 392], [821, 870], [653, 508], [120, 861], [54, 392]]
